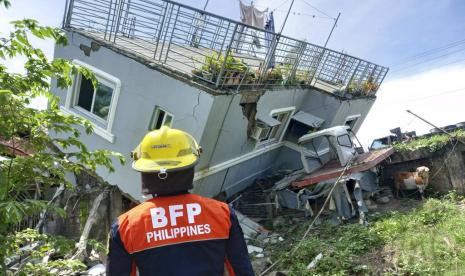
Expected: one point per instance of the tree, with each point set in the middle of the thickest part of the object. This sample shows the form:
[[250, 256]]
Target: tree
[[37, 161]]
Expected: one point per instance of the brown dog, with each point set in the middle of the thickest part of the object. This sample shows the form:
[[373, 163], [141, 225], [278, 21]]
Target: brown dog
[[412, 180]]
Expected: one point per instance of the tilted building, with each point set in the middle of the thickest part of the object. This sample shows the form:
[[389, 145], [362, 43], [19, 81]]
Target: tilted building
[[244, 93]]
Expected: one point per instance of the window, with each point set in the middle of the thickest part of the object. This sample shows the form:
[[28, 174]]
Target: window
[[282, 118], [160, 118], [95, 104], [344, 140], [96, 101]]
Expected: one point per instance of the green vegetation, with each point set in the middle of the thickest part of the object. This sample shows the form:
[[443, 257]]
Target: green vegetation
[[364, 88], [429, 240], [37, 162], [235, 70], [275, 75], [432, 143], [57, 249]]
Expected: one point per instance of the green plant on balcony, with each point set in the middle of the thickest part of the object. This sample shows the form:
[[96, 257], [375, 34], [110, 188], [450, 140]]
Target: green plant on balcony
[[275, 75], [364, 88], [302, 77], [235, 70]]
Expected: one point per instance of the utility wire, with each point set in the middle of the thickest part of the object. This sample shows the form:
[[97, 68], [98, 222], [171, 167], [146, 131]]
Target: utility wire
[[297, 246], [427, 60], [277, 9], [456, 61], [445, 64], [429, 52], [318, 10], [280, 5], [426, 97], [302, 14]]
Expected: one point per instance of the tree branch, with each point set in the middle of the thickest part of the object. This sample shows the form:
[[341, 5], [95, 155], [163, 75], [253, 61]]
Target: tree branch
[[43, 215], [93, 217]]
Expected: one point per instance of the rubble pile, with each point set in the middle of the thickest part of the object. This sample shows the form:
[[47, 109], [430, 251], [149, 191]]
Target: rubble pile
[[257, 201]]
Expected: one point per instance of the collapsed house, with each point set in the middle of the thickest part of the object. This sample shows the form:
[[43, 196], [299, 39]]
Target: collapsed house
[[165, 63]]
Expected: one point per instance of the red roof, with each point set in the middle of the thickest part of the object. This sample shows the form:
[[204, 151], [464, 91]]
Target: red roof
[[333, 168]]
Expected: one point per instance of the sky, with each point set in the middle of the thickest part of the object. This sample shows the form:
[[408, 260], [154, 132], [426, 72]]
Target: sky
[[421, 41]]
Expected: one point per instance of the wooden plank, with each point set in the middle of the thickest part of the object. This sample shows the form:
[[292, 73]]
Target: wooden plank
[[332, 170]]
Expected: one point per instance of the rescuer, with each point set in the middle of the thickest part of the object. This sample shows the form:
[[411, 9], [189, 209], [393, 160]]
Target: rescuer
[[175, 233]]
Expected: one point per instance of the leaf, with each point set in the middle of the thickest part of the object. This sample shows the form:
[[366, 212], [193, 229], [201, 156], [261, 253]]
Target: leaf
[[43, 164], [6, 3]]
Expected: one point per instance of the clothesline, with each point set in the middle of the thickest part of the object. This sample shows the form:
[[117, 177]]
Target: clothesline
[[276, 9]]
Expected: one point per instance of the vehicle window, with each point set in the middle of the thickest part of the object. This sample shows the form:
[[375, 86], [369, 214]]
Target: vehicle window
[[344, 140]]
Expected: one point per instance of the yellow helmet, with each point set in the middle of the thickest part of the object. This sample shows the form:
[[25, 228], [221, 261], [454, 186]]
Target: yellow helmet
[[166, 150]]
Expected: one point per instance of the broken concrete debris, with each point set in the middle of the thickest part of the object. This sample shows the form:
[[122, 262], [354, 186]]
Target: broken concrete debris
[[315, 261], [97, 270], [251, 249], [250, 228]]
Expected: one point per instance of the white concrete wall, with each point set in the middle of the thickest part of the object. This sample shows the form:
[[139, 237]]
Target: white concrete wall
[[142, 89]]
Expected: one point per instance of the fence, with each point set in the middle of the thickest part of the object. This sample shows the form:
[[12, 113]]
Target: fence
[[219, 51]]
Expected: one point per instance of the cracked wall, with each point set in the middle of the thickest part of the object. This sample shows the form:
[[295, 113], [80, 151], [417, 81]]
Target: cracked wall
[[142, 88]]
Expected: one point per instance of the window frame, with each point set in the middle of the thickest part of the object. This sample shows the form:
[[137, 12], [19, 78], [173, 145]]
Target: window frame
[[343, 145], [278, 137], [74, 103], [101, 126], [156, 114]]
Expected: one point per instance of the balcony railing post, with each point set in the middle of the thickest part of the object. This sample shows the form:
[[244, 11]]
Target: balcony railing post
[[120, 11], [269, 57], [355, 72], [215, 36], [302, 48], [172, 32], [319, 66], [162, 25], [108, 21], [166, 31], [65, 14], [69, 14], [224, 38], [228, 50], [242, 80], [382, 79], [113, 12], [362, 76]]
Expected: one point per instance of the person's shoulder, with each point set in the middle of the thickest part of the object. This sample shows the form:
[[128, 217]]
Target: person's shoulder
[[211, 202], [134, 212]]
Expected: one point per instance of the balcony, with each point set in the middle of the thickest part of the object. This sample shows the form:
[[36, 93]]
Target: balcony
[[219, 52]]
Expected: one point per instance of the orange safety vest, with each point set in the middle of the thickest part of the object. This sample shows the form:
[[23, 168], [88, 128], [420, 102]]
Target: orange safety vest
[[156, 233]]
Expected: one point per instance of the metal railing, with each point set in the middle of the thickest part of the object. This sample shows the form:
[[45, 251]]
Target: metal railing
[[219, 51]]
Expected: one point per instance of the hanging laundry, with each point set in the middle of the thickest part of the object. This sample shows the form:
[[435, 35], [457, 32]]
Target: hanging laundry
[[252, 16]]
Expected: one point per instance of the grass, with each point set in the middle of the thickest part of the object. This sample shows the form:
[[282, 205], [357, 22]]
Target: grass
[[428, 240], [432, 143]]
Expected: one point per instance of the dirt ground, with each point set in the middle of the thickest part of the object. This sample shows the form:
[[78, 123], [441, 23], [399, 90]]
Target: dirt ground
[[400, 205]]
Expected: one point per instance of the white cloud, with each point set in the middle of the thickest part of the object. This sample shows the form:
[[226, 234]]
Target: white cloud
[[437, 95]]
